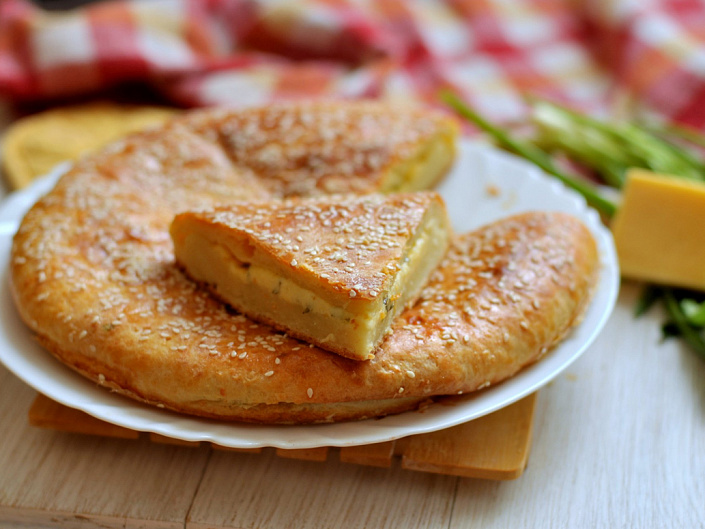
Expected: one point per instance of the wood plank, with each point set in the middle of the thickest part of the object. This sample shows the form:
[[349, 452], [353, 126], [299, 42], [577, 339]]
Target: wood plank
[[468, 452], [376, 455], [31, 519], [265, 491], [305, 454], [241, 450], [495, 446], [47, 413], [55, 479]]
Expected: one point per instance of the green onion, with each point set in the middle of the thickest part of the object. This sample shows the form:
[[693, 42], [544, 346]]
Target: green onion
[[533, 154], [694, 312], [649, 296], [692, 336], [609, 146]]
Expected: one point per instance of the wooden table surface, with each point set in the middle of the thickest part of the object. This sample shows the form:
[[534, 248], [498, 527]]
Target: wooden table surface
[[619, 441]]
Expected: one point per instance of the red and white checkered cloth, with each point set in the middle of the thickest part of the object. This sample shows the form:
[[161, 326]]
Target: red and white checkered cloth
[[243, 52]]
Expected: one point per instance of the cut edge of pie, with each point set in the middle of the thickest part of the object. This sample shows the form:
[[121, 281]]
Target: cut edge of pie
[[426, 166]]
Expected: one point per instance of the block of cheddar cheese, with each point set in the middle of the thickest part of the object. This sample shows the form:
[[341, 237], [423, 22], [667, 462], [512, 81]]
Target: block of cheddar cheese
[[658, 230]]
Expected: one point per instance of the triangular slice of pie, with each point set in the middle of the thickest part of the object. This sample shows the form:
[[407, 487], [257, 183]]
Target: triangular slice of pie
[[333, 271]]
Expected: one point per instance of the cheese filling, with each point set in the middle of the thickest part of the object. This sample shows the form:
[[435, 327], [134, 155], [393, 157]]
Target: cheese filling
[[274, 285], [421, 171]]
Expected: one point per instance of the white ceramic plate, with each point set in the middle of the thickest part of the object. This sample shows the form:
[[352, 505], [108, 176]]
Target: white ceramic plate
[[485, 185]]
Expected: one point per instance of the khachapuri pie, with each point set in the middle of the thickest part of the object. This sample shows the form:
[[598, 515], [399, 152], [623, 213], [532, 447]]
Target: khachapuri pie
[[94, 274]]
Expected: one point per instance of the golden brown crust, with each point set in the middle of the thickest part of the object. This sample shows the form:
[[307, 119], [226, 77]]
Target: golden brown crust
[[93, 274], [330, 147]]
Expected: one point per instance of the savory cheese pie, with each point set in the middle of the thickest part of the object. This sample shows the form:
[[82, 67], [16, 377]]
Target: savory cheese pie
[[333, 271], [93, 272]]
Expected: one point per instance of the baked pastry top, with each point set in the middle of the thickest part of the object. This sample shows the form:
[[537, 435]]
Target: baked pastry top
[[332, 270], [329, 147], [93, 272]]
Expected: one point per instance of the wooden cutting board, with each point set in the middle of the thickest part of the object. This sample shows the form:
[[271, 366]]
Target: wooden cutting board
[[494, 447]]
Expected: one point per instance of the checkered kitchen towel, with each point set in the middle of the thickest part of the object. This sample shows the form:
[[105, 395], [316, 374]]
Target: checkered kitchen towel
[[242, 52]]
